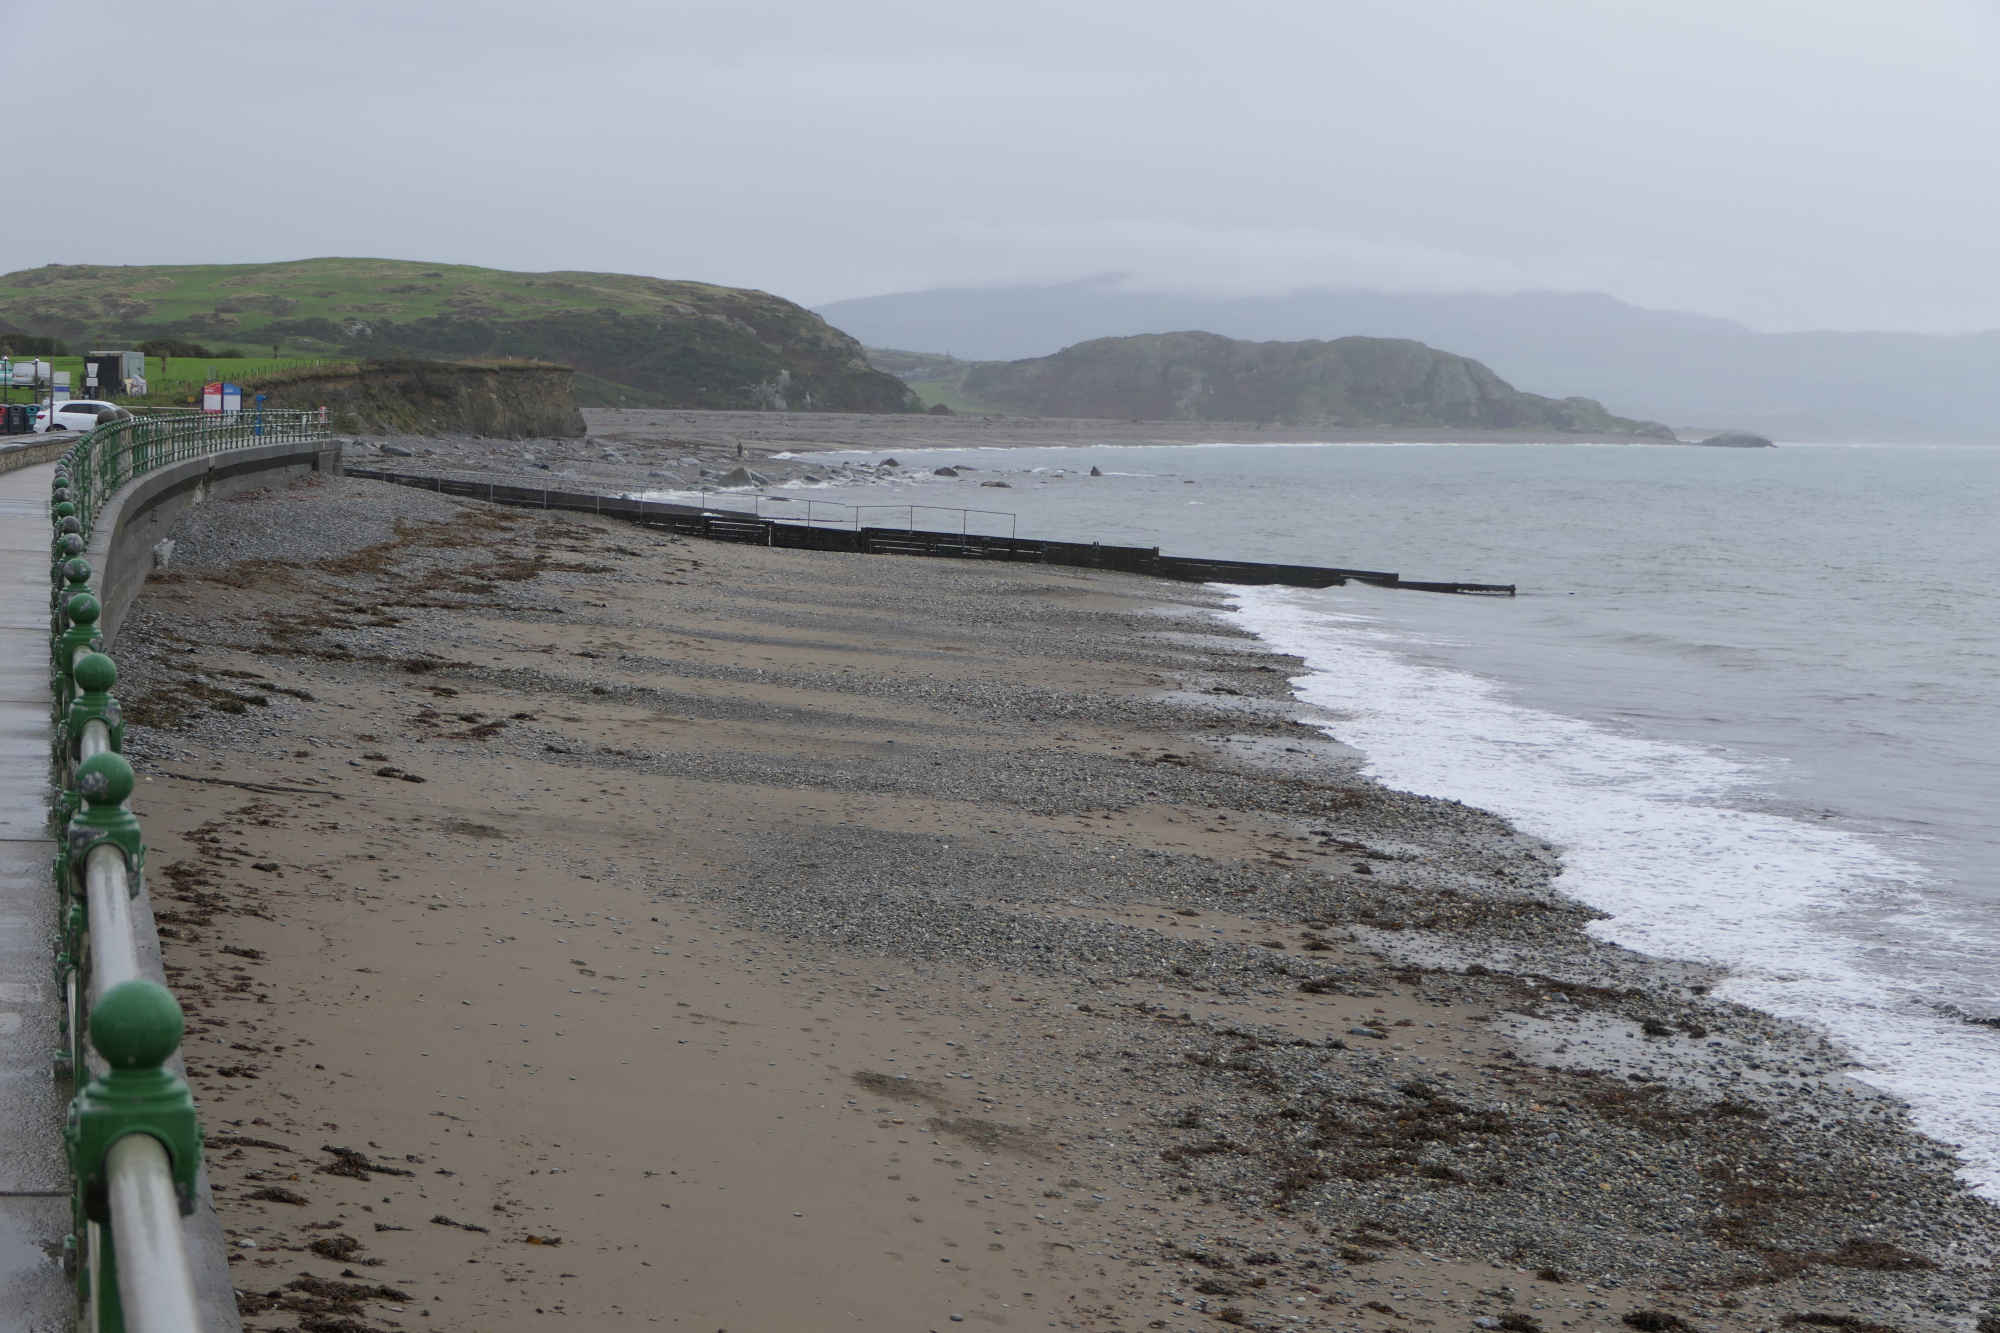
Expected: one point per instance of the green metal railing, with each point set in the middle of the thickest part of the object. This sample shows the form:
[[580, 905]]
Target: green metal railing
[[133, 1139], [113, 454]]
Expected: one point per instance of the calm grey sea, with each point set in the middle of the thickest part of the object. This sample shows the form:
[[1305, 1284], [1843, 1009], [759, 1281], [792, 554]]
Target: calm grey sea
[[1754, 694]]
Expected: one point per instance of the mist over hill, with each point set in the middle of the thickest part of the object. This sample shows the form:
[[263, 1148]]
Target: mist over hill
[[1691, 370], [1348, 382], [635, 341]]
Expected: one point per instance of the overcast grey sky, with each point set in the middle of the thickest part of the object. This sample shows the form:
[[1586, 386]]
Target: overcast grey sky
[[1791, 163]]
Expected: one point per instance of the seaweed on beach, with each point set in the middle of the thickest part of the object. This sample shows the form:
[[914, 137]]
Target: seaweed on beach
[[1361, 1138]]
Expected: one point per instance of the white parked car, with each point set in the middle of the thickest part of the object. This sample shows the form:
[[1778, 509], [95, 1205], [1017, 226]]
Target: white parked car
[[85, 414]]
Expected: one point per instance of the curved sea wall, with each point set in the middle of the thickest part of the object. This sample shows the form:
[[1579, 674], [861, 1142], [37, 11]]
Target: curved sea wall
[[138, 517]]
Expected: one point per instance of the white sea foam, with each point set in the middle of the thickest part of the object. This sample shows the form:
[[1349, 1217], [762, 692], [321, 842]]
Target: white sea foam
[[1054, 446], [1380, 444], [1652, 833]]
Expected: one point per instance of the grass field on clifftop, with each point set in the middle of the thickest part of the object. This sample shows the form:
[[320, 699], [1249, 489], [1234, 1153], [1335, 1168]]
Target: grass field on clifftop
[[177, 380]]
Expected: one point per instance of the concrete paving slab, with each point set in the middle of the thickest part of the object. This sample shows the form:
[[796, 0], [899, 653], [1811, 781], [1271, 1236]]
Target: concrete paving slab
[[30, 825], [32, 1103], [34, 1294], [25, 738], [18, 610], [22, 679], [25, 574], [32, 1100], [28, 1155], [21, 726], [27, 482]]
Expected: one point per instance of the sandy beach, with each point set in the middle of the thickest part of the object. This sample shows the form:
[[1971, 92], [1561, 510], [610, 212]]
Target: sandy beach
[[584, 927]]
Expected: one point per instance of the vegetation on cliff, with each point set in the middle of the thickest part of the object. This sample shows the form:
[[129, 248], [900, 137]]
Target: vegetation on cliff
[[1347, 382], [937, 380], [498, 400], [637, 340]]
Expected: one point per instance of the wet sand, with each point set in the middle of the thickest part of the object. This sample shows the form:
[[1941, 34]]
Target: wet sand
[[578, 924]]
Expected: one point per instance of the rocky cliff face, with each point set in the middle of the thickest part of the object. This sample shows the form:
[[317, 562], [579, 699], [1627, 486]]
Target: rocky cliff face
[[1347, 382], [511, 402]]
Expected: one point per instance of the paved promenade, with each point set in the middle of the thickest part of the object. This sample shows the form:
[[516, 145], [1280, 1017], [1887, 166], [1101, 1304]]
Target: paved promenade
[[34, 1179]]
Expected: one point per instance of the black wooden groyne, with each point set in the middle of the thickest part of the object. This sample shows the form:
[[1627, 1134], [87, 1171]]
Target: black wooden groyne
[[695, 521]]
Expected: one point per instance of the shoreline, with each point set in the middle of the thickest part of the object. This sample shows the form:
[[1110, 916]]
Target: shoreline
[[634, 450], [1187, 1010], [1671, 887], [809, 431]]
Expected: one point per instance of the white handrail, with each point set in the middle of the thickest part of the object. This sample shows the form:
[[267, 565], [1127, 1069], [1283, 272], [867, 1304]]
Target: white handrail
[[155, 1287], [114, 951], [114, 956]]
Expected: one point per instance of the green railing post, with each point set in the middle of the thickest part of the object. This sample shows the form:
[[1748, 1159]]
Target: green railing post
[[82, 611], [67, 547], [94, 675], [73, 927], [105, 782], [67, 526], [72, 577], [136, 1026]]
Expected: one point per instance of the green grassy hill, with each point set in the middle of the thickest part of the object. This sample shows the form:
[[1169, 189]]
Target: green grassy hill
[[1345, 382], [639, 340]]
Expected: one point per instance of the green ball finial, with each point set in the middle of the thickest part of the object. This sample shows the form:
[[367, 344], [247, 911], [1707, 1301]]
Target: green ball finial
[[77, 570], [95, 673], [104, 779], [69, 524], [137, 1025], [72, 544], [64, 509], [83, 609]]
